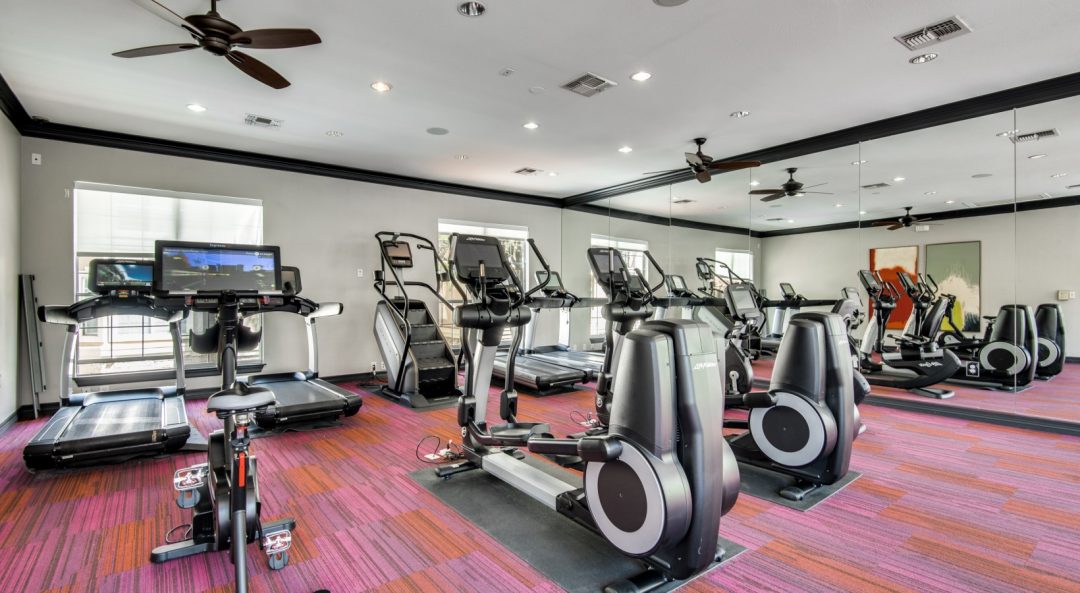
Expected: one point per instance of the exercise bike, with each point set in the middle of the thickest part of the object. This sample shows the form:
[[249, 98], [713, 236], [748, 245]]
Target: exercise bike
[[656, 485], [223, 493]]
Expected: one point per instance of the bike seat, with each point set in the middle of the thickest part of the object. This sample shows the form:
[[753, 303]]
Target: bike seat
[[240, 399]]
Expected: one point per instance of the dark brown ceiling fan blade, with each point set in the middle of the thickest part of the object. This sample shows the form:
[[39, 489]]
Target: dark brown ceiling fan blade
[[163, 12], [275, 38], [257, 70], [823, 193], [815, 185], [772, 197], [922, 219], [733, 165], [883, 223], [703, 176], [155, 50], [895, 227], [669, 171], [765, 192]]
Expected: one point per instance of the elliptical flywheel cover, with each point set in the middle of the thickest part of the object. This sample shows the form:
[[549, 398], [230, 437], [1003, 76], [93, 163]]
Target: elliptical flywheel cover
[[794, 432], [1003, 357], [1048, 352]]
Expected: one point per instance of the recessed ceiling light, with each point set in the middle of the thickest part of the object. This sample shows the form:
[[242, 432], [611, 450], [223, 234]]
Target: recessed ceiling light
[[950, 201], [626, 150], [335, 133], [531, 125], [982, 175], [862, 212], [930, 193], [380, 86], [755, 183], [1006, 133], [790, 220], [669, 3], [739, 114], [1058, 175], [897, 179], [838, 205], [862, 162], [537, 90], [1037, 156], [930, 57], [461, 157], [196, 107], [438, 131], [640, 76], [471, 9], [552, 174]]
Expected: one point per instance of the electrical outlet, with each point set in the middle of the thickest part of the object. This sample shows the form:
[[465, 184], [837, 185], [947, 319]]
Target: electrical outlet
[[35, 158], [359, 272], [374, 365], [382, 366]]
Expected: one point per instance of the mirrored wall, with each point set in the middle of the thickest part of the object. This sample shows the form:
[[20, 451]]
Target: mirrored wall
[[948, 249]]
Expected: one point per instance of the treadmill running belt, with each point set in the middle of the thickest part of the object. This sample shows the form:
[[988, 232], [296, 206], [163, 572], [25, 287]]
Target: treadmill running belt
[[114, 418]]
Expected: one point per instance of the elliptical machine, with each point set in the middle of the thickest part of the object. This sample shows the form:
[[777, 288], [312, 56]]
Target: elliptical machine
[[1006, 358], [656, 485], [1051, 329], [223, 493]]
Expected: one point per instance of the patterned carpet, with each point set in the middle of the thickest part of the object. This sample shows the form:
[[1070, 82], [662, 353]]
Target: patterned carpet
[[943, 505]]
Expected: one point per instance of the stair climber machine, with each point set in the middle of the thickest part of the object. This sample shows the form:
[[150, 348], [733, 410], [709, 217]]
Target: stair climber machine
[[629, 303], [233, 281], [919, 360], [1051, 329], [555, 292], [302, 398], [421, 369], [656, 485], [110, 426]]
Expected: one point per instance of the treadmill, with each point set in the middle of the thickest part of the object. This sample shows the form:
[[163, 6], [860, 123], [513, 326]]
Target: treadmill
[[557, 297], [302, 397], [112, 426]]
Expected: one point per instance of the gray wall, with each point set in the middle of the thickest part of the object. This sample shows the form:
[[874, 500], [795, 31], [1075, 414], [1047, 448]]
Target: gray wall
[[1026, 258], [324, 226], [9, 267]]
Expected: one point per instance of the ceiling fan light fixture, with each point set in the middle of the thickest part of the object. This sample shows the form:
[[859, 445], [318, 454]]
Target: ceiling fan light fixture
[[471, 9], [381, 87], [196, 108]]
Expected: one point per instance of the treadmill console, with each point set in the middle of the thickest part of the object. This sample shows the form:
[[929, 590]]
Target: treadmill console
[[290, 280], [787, 291], [742, 302], [471, 252], [554, 286], [398, 253], [608, 266], [109, 275], [676, 284], [869, 282], [189, 269]]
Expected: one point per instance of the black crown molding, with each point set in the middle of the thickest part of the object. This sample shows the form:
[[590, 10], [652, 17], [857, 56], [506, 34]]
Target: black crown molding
[[1014, 98], [662, 220]]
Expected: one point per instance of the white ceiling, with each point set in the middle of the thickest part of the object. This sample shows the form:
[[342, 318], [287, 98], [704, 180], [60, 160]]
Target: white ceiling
[[802, 68], [941, 160]]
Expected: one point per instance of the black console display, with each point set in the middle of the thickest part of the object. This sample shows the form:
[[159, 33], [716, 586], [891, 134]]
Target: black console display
[[787, 290], [471, 250], [107, 275], [742, 299], [398, 253], [869, 281], [193, 268]]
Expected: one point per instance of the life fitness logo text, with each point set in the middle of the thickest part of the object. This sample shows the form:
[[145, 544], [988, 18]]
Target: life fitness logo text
[[705, 365], [929, 364]]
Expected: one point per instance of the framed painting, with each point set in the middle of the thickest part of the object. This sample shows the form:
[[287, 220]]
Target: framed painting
[[957, 269], [889, 261]]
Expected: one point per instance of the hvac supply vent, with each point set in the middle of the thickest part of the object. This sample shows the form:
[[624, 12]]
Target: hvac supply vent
[[683, 201], [589, 84], [876, 186], [1033, 136], [527, 171], [775, 219], [261, 121], [933, 34]]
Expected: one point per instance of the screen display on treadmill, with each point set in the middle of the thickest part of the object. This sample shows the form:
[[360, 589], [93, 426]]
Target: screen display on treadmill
[[605, 262], [554, 282], [468, 255], [786, 289], [112, 275], [743, 300], [215, 269], [678, 283]]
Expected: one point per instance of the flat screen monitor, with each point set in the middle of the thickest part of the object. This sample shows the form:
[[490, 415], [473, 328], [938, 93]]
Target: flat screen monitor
[[471, 250], [787, 290], [869, 281], [107, 275], [194, 268], [742, 299]]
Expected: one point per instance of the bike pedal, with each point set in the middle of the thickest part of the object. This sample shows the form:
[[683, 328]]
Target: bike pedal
[[277, 542], [190, 478]]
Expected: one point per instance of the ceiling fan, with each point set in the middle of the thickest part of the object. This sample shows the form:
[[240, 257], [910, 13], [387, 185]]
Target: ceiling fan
[[701, 164], [904, 221], [223, 38], [790, 187]]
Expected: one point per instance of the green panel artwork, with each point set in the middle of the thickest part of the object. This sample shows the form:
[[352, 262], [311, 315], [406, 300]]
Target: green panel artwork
[[957, 268]]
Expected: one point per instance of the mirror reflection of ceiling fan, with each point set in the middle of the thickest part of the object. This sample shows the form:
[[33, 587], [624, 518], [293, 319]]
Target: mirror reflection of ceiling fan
[[702, 164], [223, 38], [790, 188], [905, 221]]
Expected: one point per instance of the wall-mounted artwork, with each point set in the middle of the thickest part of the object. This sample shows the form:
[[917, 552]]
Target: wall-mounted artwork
[[889, 261], [957, 268]]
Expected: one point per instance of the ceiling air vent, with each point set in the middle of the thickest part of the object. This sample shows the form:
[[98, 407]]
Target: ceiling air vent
[[527, 171], [775, 219], [683, 201], [261, 121], [589, 84], [933, 34], [876, 186], [1033, 136]]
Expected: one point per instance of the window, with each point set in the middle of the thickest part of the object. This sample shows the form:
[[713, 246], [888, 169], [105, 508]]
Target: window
[[633, 252], [514, 240], [124, 222], [740, 261]]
